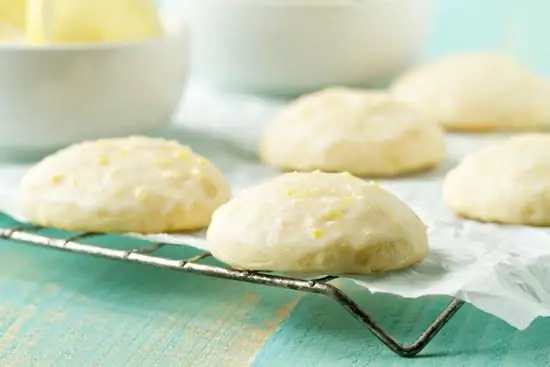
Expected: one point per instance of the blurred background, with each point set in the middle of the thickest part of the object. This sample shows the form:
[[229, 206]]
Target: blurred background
[[237, 43], [240, 60], [518, 27]]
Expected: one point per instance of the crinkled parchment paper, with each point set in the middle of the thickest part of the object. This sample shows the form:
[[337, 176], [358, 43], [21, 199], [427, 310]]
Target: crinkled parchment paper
[[502, 270]]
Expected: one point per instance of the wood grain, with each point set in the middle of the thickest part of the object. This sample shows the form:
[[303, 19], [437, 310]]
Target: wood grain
[[320, 333], [61, 309]]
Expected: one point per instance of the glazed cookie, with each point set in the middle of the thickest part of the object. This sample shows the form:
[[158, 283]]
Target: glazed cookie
[[365, 133], [317, 223], [134, 184], [507, 182], [478, 91]]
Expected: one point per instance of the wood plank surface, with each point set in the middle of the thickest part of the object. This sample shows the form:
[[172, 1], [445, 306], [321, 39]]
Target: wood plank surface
[[320, 333], [62, 309]]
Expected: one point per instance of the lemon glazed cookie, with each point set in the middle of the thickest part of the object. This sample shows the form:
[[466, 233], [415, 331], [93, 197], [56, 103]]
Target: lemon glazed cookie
[[506, 182], [317, 223], [136, 184], [477, 91], [363, 132]]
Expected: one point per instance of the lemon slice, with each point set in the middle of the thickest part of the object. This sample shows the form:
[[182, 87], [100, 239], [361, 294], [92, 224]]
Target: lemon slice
[[91, 21], [12, 20], [12, 14]]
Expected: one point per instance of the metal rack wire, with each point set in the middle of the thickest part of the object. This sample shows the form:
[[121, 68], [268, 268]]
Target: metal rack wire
[[146, 255]]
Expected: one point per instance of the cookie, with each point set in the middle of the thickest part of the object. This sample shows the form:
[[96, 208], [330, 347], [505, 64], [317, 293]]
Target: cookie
[[477, 92], [506, 182], [365, 133], [135, 184], [317, 223]]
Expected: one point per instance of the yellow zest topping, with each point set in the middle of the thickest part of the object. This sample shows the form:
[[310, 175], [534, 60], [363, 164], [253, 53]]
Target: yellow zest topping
[[346, 174], [182, 155], [202, 161], [57, 179], [316, 233], [141, 194], [103, 160], [302, 194], [375, 184], [317, 171], [332, 215]]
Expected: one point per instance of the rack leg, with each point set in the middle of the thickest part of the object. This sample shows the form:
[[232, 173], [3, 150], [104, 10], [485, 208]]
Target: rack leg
[[407, 351]]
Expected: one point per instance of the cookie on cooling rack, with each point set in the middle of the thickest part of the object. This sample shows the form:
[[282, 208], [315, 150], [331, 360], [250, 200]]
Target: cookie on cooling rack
[[362, 132], [134, 184], [506, 182], [317, 223], [477, 91]]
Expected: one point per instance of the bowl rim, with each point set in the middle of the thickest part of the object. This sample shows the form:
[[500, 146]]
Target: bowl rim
[[300, 4], [179, 33]]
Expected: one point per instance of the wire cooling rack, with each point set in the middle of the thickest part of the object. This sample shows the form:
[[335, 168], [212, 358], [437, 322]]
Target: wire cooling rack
[[146, 255]]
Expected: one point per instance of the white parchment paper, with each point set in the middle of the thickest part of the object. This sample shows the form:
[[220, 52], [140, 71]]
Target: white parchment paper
[[502, 270]]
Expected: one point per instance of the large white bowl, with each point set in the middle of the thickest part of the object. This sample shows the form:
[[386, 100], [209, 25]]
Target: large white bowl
[[295, 46], [54, 96]]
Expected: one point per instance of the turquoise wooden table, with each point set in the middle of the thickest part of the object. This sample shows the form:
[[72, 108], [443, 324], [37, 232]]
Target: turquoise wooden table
[[61, 309], [65, 309]]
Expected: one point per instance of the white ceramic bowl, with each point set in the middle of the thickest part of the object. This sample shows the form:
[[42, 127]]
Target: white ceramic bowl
[[54, 96], [295, 46]]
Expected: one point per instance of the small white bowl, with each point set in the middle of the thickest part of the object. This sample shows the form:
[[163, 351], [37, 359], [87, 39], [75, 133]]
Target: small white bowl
[[289, 47], [53, 96]]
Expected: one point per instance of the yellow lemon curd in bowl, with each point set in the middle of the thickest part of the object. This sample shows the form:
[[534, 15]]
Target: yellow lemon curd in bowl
[[39, 22]]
